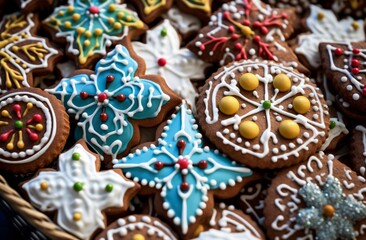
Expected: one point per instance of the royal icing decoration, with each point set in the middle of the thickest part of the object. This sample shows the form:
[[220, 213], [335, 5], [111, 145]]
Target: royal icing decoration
[[274, 103], [21, 53], [152, 5], [325, 27], [90, 26], [323, 195], [183, 22], [243, 29], [182, 169], [103, 102], [329, 211], [362, 129], [78, 192], [28, 126], [154, 228], [301, 6], [163, 56], [202, 5]]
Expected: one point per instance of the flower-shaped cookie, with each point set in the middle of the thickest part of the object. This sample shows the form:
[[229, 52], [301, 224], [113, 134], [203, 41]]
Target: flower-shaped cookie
[[110, 104], [245, 29], [162, 55], [21, 52], [184, 172], [263, 114], [90, 27], [78, 192], [329, 212]]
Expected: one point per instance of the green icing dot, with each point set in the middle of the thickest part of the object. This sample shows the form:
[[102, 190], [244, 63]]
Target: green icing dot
[[18, 124], [332, 124], [266, 104], [109, 187], [76, 156], [164, 32], [78, 186]]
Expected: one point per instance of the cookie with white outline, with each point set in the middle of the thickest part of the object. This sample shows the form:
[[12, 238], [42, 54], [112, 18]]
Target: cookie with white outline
[[149, 10]]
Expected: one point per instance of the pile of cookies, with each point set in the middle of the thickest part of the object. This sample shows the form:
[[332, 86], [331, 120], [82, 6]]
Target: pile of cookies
[[186, 119]]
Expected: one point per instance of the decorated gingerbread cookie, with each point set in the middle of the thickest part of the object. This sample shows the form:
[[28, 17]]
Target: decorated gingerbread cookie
[[263, 114], [78, 192], [343, 64], [112, 102], [163, 56], [28, 6], [319, 199], [91, 27], [22, 53], [33, 129], [138, 227], [149, 10], [184, 174], [301, 6], [245, 30], [355, 8], [325, 27], [228, 223], [199, 8]]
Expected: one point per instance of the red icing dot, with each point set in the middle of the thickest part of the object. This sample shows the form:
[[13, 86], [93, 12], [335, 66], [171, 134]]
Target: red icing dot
[[103, 117], [94, 10], [37, 118], [356, 51], [355, 71], [84, 95], [202, 47], [231, 29], [226, 15], [17, 107], [246, 22], [121, 97], [257, 24], [202, 164], [355, 63], [162, 62], [102, 97], [181, 144], [4, 137], [235, 36], [183, 163], [238, 46], [264, 30], [257, 39], [32, 136], [364, 90], [338, 51], [158, 165], [110, 78], [184, 186]]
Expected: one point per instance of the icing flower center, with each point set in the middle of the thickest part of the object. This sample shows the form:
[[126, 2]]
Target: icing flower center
[[183, 163], [102, 97], [328, 211], [94, 10], [18, 124], [162, 62]]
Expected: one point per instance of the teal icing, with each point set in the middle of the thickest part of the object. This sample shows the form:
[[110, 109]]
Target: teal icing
[[182, 205], [143, 99]]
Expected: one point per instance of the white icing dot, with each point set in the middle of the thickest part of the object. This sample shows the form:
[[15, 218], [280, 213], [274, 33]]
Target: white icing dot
[[315, 116], [275, 150], [226, 131], [306, 134], [344, 79], [356, 96], [283, 147], [247, 144], [349, 87], [232, 135]]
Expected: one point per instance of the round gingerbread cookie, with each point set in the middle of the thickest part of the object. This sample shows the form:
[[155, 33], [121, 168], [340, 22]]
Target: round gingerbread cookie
[[319, 199], [33, 129], [263, 114], [138, 227], [228, 223]]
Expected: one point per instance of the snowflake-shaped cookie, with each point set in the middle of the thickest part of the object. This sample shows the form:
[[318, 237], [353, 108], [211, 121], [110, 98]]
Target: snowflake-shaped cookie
[[21, 52], [263, 114], [112, 102], [91, 26], [245, 29], [185, 173], [78, 192], [325, 27], [163, 56]]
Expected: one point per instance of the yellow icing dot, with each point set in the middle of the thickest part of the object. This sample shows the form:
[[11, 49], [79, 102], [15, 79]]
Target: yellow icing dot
[[289, 129], [15, 48], [282, 82], [98, 32], [61, 13], [86, 43], [39, 127], [76, 17], [248, 81], [128, 18], [120, 15], [117, 25], [67, 24], [80, 30], [355, 25], [198, 230], [70, 9], [29, 105], [20, 144], [112, 8], [301, 104], [229, 105], [321, 16], [24, 65], [88, 34], [17, 60], [138, 237], [76, 216], [249, 129], [39, 45], [5, 113], [44, 186], [10, 146], [111, 20]]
